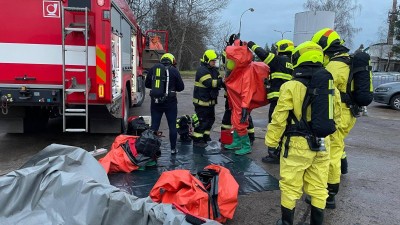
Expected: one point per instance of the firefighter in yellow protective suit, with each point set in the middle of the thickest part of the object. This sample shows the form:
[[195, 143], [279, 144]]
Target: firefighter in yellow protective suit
[[335, 56], [301, 168]]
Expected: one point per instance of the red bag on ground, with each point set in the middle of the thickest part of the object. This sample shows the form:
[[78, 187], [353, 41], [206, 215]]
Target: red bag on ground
[[182, 188], [228, 190], [116, 159]]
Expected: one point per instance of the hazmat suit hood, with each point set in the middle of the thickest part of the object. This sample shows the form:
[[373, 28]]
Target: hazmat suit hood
[[245, 84]]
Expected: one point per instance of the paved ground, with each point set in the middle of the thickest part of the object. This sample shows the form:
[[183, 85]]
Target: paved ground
[[369, 193]]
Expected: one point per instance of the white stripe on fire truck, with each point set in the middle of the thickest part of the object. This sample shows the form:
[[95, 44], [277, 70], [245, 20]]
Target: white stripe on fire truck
[[44, 54]]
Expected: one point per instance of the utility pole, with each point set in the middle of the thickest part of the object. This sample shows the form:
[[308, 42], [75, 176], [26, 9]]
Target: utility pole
[[392, 18]]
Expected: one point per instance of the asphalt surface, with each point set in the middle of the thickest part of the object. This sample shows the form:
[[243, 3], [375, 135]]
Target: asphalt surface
[[369, 193]]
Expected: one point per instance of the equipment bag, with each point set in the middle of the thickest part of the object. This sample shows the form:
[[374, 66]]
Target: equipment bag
[[119, 158], [359, 89], [217, 200], [149, 144], [159, 84], [136, 125], [183, 124], [319, 96], [361, 75]]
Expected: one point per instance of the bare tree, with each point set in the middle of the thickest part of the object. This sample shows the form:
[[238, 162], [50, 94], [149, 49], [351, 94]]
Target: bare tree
[[344, 13], [219, 39], [191, 25], [142, 9]]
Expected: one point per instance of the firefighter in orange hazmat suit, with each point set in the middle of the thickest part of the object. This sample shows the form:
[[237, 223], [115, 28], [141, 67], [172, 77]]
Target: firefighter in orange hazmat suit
[[245, 87]]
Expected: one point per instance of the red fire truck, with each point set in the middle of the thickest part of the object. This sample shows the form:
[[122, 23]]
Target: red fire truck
[[79, 60]]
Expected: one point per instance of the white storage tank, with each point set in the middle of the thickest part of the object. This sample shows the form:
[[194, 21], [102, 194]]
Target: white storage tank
[[307, 23]]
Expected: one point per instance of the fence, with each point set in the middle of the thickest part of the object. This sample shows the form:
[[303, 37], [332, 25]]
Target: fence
[[379, 78]]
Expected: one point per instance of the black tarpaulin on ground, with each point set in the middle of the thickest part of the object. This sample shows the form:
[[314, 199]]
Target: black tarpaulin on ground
[[250, 176]]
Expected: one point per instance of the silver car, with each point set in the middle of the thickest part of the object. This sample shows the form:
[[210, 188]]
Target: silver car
[[389, 94]]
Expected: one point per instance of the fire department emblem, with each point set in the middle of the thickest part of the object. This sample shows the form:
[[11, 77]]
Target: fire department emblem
[[51, 9]]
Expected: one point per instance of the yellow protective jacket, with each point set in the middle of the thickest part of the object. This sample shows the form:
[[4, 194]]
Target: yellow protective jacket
[[340, 72]]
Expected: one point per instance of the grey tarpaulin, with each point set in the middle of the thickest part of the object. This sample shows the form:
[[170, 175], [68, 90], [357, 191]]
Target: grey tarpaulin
[[66, 185]]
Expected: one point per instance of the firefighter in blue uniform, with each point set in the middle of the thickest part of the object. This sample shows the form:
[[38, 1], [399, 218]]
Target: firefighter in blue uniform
[[169, 105], [281, 71], [208, 82]]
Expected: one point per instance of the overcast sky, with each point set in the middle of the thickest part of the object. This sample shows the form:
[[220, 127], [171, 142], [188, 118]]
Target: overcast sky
[[270, 15]]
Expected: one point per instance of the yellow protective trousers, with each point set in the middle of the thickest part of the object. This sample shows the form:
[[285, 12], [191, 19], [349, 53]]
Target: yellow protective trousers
[[337, 143], [303, 169]]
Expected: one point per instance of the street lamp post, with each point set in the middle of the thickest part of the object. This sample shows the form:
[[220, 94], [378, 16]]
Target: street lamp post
[[282, 32], [240, 22]]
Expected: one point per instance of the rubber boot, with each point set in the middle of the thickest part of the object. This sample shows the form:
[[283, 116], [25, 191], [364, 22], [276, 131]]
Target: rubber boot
[[246, 146], [252, 138], [307, 199], [333, 189], [317, 216], [236, 143], [287, 216], [206, 138], [270, 160], [343, 166]]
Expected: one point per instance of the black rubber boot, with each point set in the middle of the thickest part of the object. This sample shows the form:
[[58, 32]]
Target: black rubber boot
[[252, 138], [317, 216], [270, 160], [307, 199], [206, 138], [333, 189], [287, 216], [343, 166]]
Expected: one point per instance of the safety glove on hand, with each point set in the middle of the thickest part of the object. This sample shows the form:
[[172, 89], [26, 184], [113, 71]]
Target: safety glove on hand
[[273, 152], [244, 115], [250, 44]]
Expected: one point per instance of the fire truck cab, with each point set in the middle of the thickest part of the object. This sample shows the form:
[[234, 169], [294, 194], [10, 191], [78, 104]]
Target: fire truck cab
[[81, 60]]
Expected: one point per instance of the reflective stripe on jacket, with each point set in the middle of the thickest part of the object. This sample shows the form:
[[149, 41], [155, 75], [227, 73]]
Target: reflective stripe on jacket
[[280, 66]]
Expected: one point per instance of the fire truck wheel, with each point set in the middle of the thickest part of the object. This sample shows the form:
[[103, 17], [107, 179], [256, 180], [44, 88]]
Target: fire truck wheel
[[141, 92], [124, 121]]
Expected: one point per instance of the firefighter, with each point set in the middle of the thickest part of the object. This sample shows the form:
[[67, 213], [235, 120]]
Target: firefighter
[[334, 55], [301, 166], [207, 84], [169, 104], [226, 120], [281, 71]]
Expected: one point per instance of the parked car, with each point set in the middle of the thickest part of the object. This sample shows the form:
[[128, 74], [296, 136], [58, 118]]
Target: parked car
[[389, 94]]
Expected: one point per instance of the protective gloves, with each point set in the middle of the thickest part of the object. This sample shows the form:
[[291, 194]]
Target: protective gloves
[[250, 44], [273, 152], [244, 115]]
